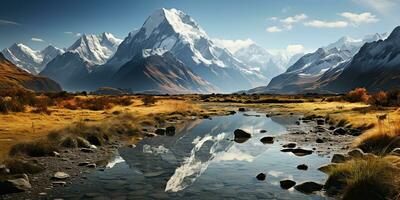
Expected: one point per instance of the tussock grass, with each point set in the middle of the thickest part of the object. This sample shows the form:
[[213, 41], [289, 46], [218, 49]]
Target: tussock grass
[[367, 178], [18, 166], [36, 148], [381, 140]]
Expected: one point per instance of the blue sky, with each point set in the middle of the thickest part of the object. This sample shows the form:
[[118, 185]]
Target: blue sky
[[274, 24]]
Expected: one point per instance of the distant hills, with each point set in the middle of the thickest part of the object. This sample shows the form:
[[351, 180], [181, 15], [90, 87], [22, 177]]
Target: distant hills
[[172, 54], [12, 76]]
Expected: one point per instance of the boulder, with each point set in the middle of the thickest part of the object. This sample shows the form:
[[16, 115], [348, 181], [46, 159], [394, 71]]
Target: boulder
[[261, 176], [242, 109], [232, 112], [319, 140], [170, 131], [289, 145], [160, 131], [263, 131], [356, 153], [267, 140], [287, 184], [308, 187], [4, 169], [320, 121], [327, 168], [15, 184], [302, 167], [301, 152], [91, 165], [340, 131], [241, 135], [338, 158], [60, 176]]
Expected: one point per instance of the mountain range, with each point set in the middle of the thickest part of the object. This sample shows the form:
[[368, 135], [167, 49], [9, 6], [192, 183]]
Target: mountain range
[[171, 53], [313, 71], [30, 60]]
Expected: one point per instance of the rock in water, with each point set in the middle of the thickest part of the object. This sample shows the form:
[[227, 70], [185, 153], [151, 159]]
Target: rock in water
[[302, 167], [301, 152], [242, 109], [308, 187], [261, 176], [267, 140], [289, 145], [170, 131], [241, 136], [287, 184]]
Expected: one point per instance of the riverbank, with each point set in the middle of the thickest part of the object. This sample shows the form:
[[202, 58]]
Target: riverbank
[[137, 121]]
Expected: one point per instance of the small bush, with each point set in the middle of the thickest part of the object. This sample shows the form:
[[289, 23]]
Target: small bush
[[11, 105], [357, 95], [37, 148], [148, 100], [18, 166], [41, 108]]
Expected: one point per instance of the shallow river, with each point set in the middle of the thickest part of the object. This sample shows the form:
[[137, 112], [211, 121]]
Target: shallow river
[[203, 162]]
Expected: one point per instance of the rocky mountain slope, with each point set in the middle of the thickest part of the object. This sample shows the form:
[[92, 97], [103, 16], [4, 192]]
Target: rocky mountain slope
[[13, 77]]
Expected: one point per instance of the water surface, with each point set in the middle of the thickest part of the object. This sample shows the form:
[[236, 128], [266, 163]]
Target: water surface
[[203, 162]]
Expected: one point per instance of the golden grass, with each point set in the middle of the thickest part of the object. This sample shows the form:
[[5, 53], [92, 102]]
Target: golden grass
[[27, 126], [366, 178]]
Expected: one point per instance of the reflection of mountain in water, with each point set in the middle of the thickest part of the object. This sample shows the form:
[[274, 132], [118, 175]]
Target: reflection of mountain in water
[[179, 160]]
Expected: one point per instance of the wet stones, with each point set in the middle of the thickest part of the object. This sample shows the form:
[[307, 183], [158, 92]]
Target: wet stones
[[261, 176], [263, 131], [170, 131], [87, 150], [267, 140], [308, 187], [287, 184], [302, 167], [160, 131], [17, 183], [338, 158], [242, 109], [241, 136], [340, 131], [289, 145], [320, 121], [319, 140], [60, 176], [298, 151], [231, 112], [356, 153]]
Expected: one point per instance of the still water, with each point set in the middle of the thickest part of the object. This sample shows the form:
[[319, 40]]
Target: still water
[[203, 162]]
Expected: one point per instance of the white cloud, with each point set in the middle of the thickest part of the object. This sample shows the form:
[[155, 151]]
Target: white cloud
[[295, 49], [73, 34], [294, 19], [37, 39], [233, 45], [273, 29], [7, 22], [361, 18], [327, 24]]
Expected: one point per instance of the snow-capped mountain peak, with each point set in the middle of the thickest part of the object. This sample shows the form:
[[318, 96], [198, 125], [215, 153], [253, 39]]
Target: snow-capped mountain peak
[[96, 49], [30, 60], [178, 20]]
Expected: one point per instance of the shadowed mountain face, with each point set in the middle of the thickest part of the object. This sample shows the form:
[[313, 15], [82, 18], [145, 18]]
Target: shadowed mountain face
[[163, 73], [13, 77], [320, 71], [376, 67]]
